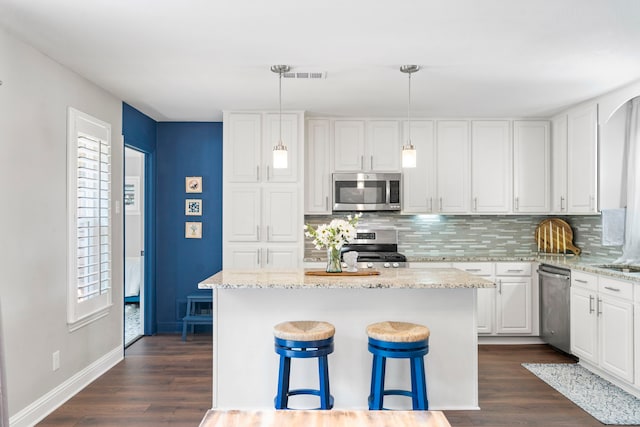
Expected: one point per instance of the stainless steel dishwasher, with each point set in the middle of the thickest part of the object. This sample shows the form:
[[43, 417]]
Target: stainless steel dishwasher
[[555, 286]]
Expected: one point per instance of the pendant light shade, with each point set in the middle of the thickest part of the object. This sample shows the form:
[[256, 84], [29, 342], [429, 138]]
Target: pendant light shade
[[408, 150], [280, 153]]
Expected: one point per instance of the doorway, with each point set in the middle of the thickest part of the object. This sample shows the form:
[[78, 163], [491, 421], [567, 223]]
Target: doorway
[[134, 238]]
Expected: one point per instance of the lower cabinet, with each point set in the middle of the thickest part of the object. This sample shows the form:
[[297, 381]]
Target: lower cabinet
[[602, 323], [507, 308], [254, 256]]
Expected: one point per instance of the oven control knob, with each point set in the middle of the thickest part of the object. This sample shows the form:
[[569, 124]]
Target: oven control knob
[[369, 265], [386, 265], [396, 265]]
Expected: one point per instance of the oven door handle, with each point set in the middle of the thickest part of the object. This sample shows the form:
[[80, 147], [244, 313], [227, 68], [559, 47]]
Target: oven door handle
[[553, 275]]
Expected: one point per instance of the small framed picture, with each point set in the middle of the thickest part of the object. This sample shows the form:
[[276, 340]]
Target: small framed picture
[[132, 195], [193, 230], [193, 207], [193, 184]]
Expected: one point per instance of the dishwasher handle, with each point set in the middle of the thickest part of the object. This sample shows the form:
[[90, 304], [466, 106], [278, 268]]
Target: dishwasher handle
[[553, 275]]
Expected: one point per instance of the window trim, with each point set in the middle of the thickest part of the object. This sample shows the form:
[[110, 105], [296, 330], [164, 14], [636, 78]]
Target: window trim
[[80, 314]]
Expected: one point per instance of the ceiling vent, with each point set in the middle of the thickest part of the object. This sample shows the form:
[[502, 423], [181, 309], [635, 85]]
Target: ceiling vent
[[313, 75]]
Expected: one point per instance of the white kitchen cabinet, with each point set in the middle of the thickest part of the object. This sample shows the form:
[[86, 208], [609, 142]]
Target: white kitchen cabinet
[[531, 166], [559, 164], [513, 305], [279, 224], [485, 297], [244, 211], [491, 161], [256, 256], [453, 167], [602, 323], [250, 138], [366, 145], [418, 184], [582, 145], [318, 167]]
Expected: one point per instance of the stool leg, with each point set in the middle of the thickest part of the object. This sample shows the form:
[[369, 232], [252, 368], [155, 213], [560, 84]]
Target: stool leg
[[325, 395], [377, 382], [419, 385], [282, 398]]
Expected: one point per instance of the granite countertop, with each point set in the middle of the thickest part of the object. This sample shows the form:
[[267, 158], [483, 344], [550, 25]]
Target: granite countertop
[[404, 278]]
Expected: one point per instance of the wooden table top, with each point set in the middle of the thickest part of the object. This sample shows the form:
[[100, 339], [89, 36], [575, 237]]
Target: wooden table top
[[333, 418]]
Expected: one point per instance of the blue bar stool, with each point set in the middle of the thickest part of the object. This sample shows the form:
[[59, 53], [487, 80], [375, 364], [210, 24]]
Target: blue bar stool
[[398, 340], [303, 339]]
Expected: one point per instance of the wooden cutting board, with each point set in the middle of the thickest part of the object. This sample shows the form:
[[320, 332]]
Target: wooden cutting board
[[554, 235], [344, 273]]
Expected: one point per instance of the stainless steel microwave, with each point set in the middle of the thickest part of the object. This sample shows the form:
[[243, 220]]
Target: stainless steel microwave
[[366, 191]]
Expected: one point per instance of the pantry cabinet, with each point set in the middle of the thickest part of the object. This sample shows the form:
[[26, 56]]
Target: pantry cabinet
[[491, 166], [602, 323], [531, 166], [366, 146]]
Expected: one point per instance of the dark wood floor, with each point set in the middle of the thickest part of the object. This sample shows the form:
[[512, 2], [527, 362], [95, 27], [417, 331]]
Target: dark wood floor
[[166, 382]]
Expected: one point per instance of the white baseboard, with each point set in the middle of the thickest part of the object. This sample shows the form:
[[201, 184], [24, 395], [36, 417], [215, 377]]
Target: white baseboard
[[48, 403], [508, 340]]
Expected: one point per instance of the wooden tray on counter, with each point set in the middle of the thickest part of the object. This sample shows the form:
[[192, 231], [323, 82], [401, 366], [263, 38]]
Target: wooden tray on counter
[[344, 273]]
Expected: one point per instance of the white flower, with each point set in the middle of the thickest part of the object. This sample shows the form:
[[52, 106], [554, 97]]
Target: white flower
[[335, 234]]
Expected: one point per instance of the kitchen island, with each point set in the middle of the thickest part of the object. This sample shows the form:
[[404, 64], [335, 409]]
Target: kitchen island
[[247, 304]]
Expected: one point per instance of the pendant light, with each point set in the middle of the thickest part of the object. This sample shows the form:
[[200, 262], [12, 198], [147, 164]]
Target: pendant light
[[408, 150], [280, 150]]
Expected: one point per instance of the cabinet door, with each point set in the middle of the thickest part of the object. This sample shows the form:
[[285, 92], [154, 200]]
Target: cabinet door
[[452, 151], [582, 131], [491, 166], [242, 221], [289, 138], [616, 336], [281, 215], [531, 154], [281, 257], [418, 184], [559, 164], [242, 257], [513, 302], [584, 327], [242, 147], [486, 310], [348, 146], [383, 146], [318, 168]]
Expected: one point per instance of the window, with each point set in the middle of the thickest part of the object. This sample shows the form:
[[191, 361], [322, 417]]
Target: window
[[89, 212]]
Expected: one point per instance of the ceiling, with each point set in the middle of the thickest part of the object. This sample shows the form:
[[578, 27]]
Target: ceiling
[[189, 60]]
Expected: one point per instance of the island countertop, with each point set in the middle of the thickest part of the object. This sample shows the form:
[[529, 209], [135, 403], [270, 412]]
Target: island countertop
[[410, 278]]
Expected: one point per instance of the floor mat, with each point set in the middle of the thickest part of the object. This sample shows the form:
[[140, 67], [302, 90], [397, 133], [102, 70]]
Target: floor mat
[[604, 401]]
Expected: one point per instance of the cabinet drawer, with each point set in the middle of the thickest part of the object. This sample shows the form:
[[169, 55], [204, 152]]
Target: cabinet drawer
[[477, 268], [617, 288], [513, 269], [584, 280]]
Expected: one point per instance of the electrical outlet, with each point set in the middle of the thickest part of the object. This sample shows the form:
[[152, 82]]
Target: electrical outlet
[[56, 360]]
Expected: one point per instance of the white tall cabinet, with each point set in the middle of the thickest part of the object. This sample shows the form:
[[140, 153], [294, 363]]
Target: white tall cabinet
[[317, 194], [262, 206], [452, 158], [491, 166], [418, 184], [531, 166]]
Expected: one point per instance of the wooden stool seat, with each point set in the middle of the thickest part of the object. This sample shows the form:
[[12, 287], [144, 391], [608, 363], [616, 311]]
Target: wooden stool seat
[[304, 330], [302, 340], [398, 332], [398, 340]]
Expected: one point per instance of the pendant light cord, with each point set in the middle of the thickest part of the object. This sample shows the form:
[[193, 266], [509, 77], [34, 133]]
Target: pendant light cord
[[280, 103], [409, 113]]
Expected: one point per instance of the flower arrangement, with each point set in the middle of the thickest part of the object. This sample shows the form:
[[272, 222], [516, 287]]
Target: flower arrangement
[[333, 237]]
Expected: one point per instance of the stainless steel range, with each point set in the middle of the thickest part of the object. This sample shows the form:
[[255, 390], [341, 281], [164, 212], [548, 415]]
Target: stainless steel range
[[376, 249]]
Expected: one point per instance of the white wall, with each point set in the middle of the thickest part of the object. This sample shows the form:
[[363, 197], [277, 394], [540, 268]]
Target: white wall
[[34, 98], [611, 159]]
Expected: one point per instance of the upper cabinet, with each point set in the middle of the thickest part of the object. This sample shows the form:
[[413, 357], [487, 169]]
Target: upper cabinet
[[419, 183], [366, 145], [574, 161], [249, 158], [531, 166], [582, 144], [491, 166], [452, 157], [317, 182]]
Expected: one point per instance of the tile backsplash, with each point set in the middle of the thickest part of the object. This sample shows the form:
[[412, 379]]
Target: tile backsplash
[[472, 235]]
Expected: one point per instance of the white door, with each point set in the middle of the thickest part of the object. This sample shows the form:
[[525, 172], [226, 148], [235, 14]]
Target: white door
[[418, 183], [584, 324], [289, 139], [531, 164], [582, 131], [452, 151], [513, 305], [242, 257], [318, 168], [383, 146], [243, 222], [281, 257], [616, 337], [280, 219], [348, 146], [490, 166], [243, 147]]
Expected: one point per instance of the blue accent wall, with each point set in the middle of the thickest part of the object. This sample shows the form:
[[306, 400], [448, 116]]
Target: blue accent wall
[[174, 151], [186, 149]]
